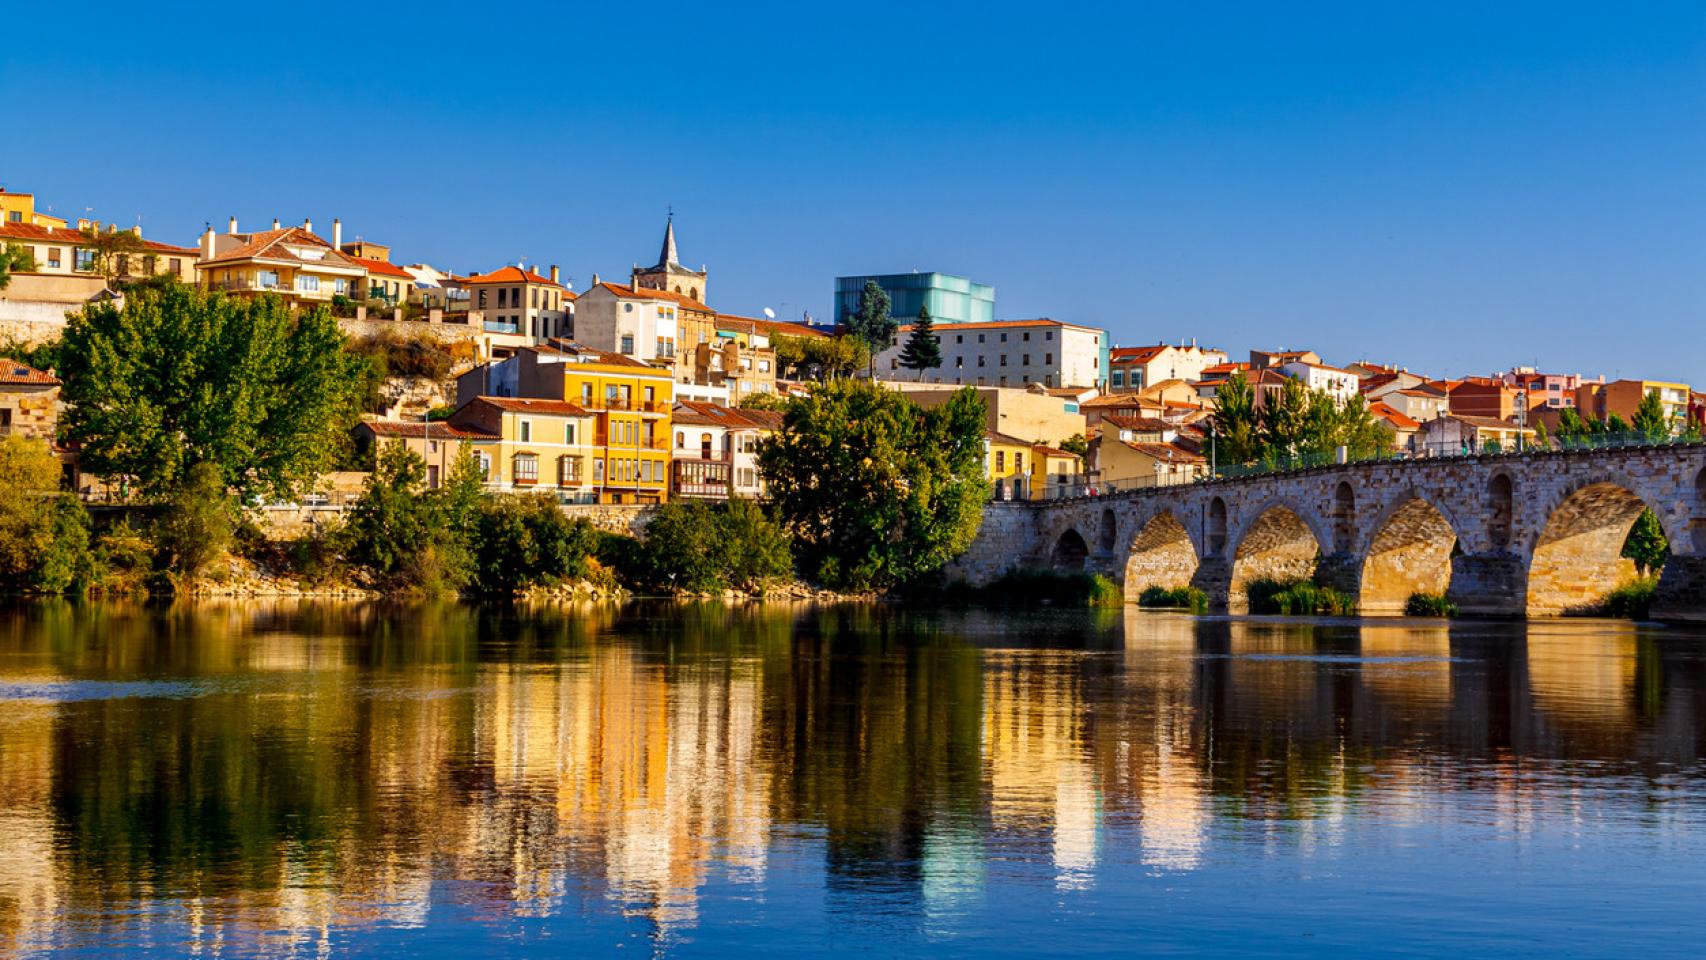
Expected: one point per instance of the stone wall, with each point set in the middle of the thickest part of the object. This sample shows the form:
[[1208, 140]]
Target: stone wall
[[1520, 534]]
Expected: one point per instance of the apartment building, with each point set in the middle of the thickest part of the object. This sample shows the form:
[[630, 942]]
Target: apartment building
[[1601, 401], [60, 252], [1133, 368], [515, 300], [293, 263], [1008, 353], [715, 454], [541, 446], [1341, 385]]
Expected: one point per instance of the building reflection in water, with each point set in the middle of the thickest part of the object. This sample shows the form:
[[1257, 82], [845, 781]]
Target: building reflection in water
[[258, 779]]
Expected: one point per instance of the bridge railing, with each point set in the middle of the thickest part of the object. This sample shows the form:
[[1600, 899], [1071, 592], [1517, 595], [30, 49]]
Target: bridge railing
[[1310, 460]]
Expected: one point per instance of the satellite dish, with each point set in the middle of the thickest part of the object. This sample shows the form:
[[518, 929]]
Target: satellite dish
[[769, 313]]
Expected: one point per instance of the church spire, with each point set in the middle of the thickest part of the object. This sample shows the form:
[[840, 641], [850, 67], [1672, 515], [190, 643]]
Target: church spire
[[668, 256]]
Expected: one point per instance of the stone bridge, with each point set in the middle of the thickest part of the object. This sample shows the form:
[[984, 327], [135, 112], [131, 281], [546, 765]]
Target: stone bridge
[[1535, 534]]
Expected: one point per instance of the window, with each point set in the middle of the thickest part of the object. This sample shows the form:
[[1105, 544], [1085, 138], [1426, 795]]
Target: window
[[568, 470], [1027, 360], [959, 338], [980, 359], [309, 284], [1004, 359], [177, 267], [1000, 460], [980, 338], [598, 471], [1048, 360], [1003, 338], [526, 429], [485, 460], [1048, 334], [53, 257], [86, 261], [15, 216], [1018, 462], [959, 362], [627, 308], [628, 344], [482, 299], [526, 468], [680, 440], [651, 394], [515, 298], [338, 286], [535, 296], [569, 434], [1027, 335], [1118, 376], [503, 298]]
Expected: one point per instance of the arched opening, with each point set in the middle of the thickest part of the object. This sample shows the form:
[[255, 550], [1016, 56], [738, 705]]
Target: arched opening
[[1699, 524], [1161, 556], [1578, 558], [1069, 552], [1499, 510], [1344, 517], [1277, 546], [693, 293], [1110, 531], [1217, 527], [1410, 553]]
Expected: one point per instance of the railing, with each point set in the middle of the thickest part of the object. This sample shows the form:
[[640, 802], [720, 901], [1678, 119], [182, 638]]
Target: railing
[[494, 326]]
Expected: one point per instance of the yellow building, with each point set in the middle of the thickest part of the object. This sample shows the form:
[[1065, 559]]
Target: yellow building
[[291, 262], [1600, 401], [543, 446], [629, 403], [1022, 470], [1144, 452], [20, 208]]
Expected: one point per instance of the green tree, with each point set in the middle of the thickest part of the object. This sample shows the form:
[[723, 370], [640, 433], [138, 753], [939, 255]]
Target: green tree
[[875, 490], [1236, 424], [1076, 444], [44, 534], [196, 527], [526, 541], [1616, 426], [108, 248], [1541, 440], [871, 323], [15, 258], [395, 533], [1646, 544], [700, 547], [178, 377], [1284, 422], [922, 351], [1650, 419]]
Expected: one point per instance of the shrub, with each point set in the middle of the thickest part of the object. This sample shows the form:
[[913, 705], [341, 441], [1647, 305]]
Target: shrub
[[1296, 598], [1429, 605], [1633, 599], [700, 547], [196, 528], [66, 563], [526, 541], [123, 560], [1031, 587], [318, 555], [1181, 598]]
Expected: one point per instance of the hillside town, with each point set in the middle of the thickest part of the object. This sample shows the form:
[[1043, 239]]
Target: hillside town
[[636, 390]]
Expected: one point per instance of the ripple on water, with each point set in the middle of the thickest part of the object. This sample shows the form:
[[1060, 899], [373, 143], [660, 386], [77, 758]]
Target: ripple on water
[[75, 691]]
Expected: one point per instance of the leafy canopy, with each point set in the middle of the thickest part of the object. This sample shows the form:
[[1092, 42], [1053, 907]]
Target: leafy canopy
[[875, 490], [178, 377]]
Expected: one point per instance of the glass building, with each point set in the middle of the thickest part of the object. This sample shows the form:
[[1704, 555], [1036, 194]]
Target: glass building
[[951, 299]]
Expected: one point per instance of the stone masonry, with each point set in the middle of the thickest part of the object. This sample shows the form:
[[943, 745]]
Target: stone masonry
[[1533, 534]]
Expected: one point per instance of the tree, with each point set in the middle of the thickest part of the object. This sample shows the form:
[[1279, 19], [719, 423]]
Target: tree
[[1646, 544], [15, 258], [875, 490], [871, 323], [106, 249], [1076, 444], [44, 534], [1236, 425], [399, 534], [1541, 440], [179, 377], [1650, 419], [42, 356], [1616, 426], [922, 351], [195, 529], [1284, 422]]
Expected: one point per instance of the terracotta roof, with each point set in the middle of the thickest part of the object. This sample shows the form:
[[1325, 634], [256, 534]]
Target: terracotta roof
[[422, 430], [942, 329], [772, 328], [1136, 354], [1168, 451], [1049, 451], [510, 275], [1145, 424], [39, 234], [1117, 400], [14, 373], [630, 293], [569, 348], [381, 267], [1393, 416], [275, 245], [1225, 369], [559, 408], [1007, 440], [764, 419], [1432, 393]]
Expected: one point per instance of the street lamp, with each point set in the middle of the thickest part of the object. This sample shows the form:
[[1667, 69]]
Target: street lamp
[[1521, 420]]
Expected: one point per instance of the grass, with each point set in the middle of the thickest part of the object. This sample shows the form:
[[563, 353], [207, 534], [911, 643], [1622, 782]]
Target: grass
[[1297, 598], [1633, 599], [1179, 598], [1429, 605]]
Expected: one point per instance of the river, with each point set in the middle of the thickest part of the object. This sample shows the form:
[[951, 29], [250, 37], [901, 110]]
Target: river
[[302, 780]]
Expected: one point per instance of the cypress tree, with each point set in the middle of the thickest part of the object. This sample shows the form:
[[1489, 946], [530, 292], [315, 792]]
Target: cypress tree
[[922, 351]]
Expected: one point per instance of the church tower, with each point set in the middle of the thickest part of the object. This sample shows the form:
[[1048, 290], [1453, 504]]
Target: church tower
[[668, 274]]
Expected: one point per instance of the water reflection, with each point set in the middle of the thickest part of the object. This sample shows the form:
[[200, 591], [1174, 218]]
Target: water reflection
[[290, 778]]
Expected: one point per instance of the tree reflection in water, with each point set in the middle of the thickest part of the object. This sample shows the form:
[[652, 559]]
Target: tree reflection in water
[[313, 771]]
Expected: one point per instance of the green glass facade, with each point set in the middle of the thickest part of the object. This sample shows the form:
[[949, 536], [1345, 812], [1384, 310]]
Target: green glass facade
[[951, 299]]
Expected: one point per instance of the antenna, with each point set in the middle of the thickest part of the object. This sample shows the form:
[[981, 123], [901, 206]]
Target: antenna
[[769, 313]]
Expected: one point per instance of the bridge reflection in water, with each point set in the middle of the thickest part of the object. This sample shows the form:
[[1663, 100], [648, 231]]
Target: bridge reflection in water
[[289, 779]]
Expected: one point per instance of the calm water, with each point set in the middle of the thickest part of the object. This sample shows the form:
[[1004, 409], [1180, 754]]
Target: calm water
[[311, 781]]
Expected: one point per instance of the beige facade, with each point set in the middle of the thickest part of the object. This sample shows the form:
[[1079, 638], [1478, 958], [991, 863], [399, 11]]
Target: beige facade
[[515, 300], [290, 262], [1005, 353], [1143, 452], [715, 452], [437, 444], [67, 253], [1030, 415], [1133, 368]]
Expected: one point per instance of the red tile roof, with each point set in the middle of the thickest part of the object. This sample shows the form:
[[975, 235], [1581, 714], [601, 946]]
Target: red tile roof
[[14, 373], [275, 245], [558, 408], [423, 430], [1135, 354], [1393, 416], [34, 233], [770, 328], [510, 275], [630, 293], [1168, 451], [945, 328], [381, 267], [699, 413], [569, 348], [1143, 424]]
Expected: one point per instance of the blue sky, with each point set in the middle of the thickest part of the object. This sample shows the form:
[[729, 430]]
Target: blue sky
[[1457, 188]]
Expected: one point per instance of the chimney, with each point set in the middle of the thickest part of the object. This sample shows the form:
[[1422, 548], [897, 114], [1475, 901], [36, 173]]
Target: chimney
[[232, 227], [554, 274], [337, 234], [275, 223], [207, 243], [136, 230], [307, 224], [595, 279]]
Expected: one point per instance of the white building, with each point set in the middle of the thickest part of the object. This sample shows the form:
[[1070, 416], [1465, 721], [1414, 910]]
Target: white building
[[1007, 353], [1341, 384], [642, 324]]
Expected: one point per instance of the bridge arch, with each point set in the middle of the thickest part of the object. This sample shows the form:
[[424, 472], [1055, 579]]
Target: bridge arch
[[1162, 555], [1070, 552], [1278, 543], [1409, 551], [1576, 558]]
